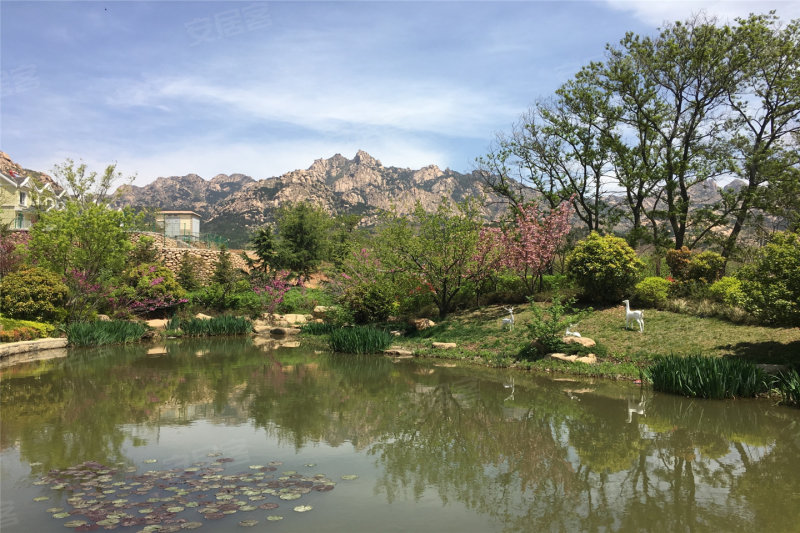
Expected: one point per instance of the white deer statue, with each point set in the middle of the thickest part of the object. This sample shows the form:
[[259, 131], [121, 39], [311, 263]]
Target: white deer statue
[[509, 322], [571, 332], [638, 316]]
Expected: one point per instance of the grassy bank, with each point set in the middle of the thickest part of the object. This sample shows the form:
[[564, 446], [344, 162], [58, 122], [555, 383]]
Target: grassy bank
[[481, 338]]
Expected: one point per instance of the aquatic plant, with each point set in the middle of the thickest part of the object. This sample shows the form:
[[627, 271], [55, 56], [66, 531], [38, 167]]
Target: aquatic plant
[[221, 325], [788, 385], [359, 339], [164, 500], [100, 332], [707, 377]]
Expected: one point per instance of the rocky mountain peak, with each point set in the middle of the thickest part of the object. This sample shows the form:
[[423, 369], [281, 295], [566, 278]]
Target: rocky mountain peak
[[363, 158]]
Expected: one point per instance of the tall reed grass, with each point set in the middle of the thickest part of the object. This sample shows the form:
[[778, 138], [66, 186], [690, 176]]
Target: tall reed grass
[[318, 328], [707, 377], [101, 332], [788, 385], [221, 325], [359, 339]]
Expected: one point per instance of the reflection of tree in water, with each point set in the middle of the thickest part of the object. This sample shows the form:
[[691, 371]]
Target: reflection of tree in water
[[540, 461]]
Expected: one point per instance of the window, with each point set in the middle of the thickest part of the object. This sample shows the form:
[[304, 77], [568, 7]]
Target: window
[[22, 197]]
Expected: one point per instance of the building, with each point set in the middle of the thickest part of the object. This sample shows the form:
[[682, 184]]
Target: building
[[21, 199], [179, 225]]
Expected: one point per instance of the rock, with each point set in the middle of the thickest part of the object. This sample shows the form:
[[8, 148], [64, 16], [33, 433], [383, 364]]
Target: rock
[[264, 342], [102, 318], [201, 316], [444, 345], [583, 341], [394, 350], [13, 348], [262, 328], [289, 344], [157, 350], [294, 319], [284, 331], [159, 323], [422, 323], [588, 359], [321, 311], [396, 333], [563, 357], [772, 369]]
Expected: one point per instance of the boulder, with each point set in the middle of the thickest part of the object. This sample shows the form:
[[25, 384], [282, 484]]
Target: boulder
[[396, 333], [284, 331], [422, 323], [583, 341], [590, 359], [101, 318], [158, 323], [289, 344], [321, 311], [394, 350], [202, 316], [444, 345], [294, 319]]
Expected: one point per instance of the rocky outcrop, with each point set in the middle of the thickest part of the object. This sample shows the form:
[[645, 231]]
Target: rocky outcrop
[[232, 205]]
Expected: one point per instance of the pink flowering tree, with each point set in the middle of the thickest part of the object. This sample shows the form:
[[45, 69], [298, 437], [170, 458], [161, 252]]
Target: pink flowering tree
[[530, 244], [272, 290]]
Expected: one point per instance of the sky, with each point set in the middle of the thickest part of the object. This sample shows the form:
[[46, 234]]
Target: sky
[[262, 88]]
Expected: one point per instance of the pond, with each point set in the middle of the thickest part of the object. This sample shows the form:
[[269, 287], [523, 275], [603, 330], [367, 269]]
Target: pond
[[219, 434]]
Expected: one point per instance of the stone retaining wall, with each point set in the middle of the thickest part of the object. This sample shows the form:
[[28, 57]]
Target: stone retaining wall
[[14, 348], [172, 257]]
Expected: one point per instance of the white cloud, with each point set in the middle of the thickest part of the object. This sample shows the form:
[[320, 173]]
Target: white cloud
[[657, 13]]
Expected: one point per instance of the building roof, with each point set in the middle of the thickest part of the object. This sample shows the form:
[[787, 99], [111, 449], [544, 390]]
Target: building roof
[[178, 213]]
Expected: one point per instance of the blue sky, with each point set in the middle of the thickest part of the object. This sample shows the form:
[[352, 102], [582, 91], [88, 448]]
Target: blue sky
[[262, 88]]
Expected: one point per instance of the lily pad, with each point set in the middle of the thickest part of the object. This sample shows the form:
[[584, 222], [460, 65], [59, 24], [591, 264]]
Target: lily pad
[[290, 496], [303, 508], [274, 518], [248, 523], [191, 525], [55, 509], [76, 523], [151, 461], [175, 509], [349, 477], [61, 515], [41, 498]]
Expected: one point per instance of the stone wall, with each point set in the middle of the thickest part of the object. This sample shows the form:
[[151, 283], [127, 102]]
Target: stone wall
[[171, 253], [172, 257]]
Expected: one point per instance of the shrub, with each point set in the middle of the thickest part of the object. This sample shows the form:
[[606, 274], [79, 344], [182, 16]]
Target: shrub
[[144, 251], [707, 377], [652, 292], [224, 273], [303, 300], [706, 266], [101, 332], [604, 267], [678, 262], [11, 328], [33, 294], [547, 326], [771, 284], [727, 290], [221, 325], [371, 303], [359, 339], [147, 288]]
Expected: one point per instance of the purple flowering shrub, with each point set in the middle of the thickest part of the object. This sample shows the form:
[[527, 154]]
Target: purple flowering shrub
[[148, 289], [270, 292]]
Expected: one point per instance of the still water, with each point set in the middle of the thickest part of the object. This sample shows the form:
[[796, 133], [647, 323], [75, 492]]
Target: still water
[[218, 432]]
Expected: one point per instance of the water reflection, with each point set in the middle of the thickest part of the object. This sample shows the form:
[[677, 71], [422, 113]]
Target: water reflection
[[532, 453]]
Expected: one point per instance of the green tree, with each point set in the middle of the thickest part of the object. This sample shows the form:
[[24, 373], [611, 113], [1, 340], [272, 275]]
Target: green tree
[[264, 246], [89, 238], [224, 273], [766, 108], [437, 249], [302, 237]]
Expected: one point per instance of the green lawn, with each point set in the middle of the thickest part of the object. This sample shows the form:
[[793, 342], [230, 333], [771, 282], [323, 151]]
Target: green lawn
[[480, 337]]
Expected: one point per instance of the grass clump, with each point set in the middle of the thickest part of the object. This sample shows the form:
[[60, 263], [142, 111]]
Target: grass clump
[[100, 332], [318, 328], [788, 385], [221, 325], [359, 339], [12, 330], [707, 377]]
